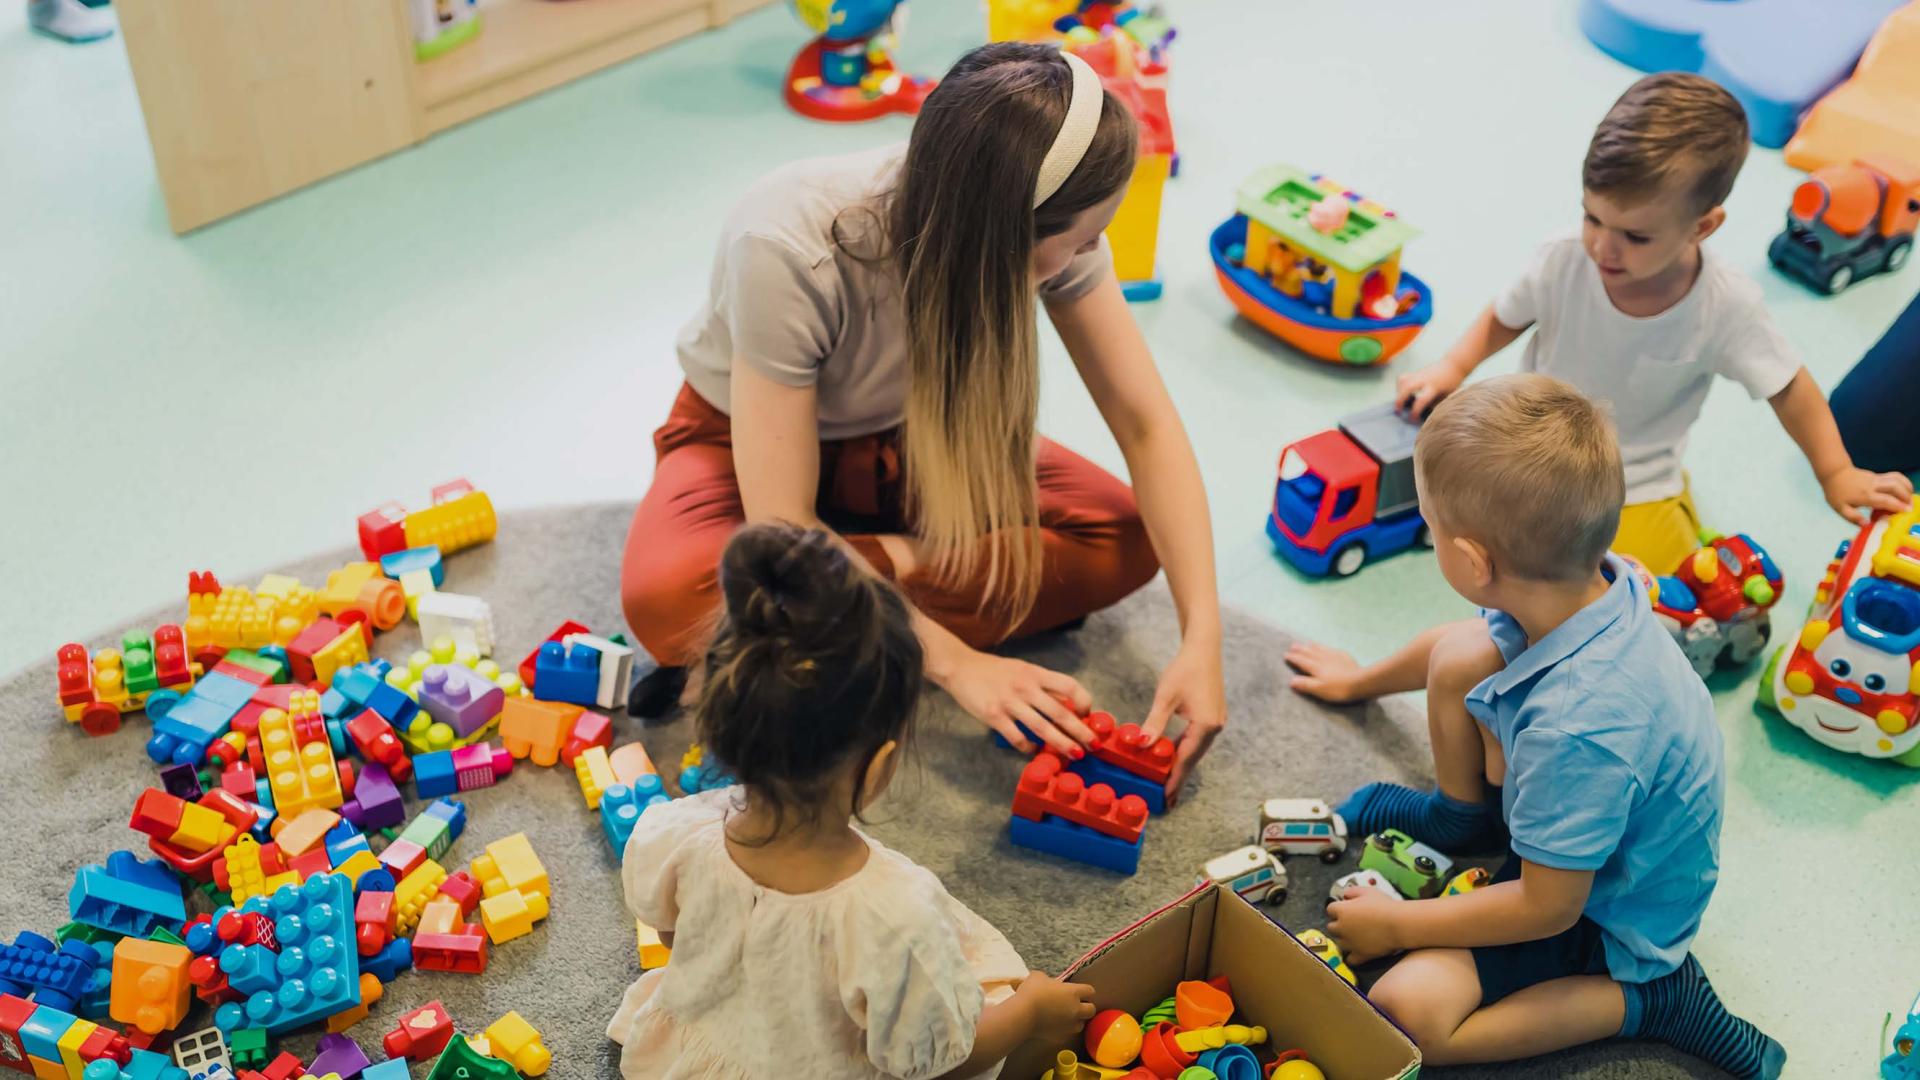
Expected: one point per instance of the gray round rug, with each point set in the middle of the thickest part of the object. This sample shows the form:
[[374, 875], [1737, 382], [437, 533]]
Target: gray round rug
[[66, 798]]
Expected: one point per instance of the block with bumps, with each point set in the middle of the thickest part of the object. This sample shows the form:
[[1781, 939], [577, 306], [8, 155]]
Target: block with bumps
[[510, 864], [150, 986], [1127, 747], [535, 729], [516, 1042], [466, 620], [510, 915], [1047, 789]]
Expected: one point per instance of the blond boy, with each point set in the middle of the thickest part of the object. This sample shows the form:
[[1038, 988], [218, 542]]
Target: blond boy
[[1637, 313], [1568, 727]]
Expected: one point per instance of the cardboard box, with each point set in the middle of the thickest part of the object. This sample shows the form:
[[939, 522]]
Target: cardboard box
[[1277, 983]]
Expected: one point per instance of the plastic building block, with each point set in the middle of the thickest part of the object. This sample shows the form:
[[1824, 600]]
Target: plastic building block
[[440, 916], [615, 667], [284, 1067], [621, 806], [567, 673], [631, 762], [420, 1034], [336, 1053], [433, 774], [373, 921], [376, 802], [95, 692], [202, 1050], [14, 1014], [595, 774], [188, 826], [460, 698], [399, 563], [317, 964], [591, 729], [480, 765], [653, 952], [362, 587], [248, 1047], [1777, 58], [516, 1042], [1218, 1035], [150, 987], [251, 869], [390, 961], [1123, 782], [305, 832], [312, 642], [140, 1065], [529, 669], [383, 530], [510, 865], [462, 951], [401, 858], [240, 813], [510, 915], [437, 826], [411, 895], [531, 728], [1046, 788], [461, 888], [370, 993], [465, 1059], [183, 731], [300, 764], [181, 782], [1070, 841], [466, 619], [1877, 111], [127, 896], [1126, 746], [393, 1069], [414, 585], [460, 517], [57, 977], [373, 737], [362, 868]]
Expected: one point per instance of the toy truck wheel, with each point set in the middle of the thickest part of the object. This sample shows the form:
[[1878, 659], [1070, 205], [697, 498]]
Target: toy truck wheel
[[1276, 896], [1348, 561], [1897, 254], [1329, 856], [100, 718], [1425, 865], [1841, 277]]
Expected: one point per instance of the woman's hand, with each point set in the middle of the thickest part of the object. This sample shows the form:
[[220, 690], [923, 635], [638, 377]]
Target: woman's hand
[[1001, 692], [1192, 687]]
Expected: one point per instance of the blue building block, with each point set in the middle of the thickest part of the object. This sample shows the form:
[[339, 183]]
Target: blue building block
[[695, 779], [394, 1069], [250, 967], [142, 1065], [621, 807], [127, 895], [436, 827], [378, 880], [1777, 57], [1070, 841], [396, 706], [349, 692], [52, 976], [562, 674], [182, 733], [343, 840], [318, 965], [97, 1002], [426, 558], [433, 774], [202, 940], [389, 962], [1094, 771], [40, 1035]]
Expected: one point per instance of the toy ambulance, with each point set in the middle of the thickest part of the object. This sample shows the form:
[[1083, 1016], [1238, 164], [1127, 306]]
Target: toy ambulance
[[1362, 879], [1302, 827], [1251, 871]]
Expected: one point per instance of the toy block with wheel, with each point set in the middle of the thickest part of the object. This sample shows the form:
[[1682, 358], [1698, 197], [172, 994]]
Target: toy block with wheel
[[421, 1033], [363, 587]]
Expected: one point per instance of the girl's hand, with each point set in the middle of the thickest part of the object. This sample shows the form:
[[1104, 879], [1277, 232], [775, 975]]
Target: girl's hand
[[1000, 691], [1326, 673], [1364, 924], [1058, 1009], [1851, 488], [1192, 687]]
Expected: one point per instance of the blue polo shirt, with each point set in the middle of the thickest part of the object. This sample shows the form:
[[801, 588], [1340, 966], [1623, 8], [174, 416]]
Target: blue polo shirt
[[1614, 765]]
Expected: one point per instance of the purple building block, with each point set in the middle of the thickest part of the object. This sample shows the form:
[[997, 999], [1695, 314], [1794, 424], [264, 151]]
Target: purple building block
[[376, 802], [460, 698], [338, 1054], [181, 782]]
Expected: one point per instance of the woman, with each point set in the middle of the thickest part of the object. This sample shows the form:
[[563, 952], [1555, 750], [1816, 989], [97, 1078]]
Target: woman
[[867, 362], [1874, 404]]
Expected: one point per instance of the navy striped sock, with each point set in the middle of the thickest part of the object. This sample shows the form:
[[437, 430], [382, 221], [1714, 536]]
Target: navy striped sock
[[1681, 1010], [1428, 816]]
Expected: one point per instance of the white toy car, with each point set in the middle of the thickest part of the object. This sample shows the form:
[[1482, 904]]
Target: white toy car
[[1363, 879], [1251, 871], [1302, 827]]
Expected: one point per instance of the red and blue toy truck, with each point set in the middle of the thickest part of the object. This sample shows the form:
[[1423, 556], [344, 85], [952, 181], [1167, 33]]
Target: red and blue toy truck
[[1347, 495]]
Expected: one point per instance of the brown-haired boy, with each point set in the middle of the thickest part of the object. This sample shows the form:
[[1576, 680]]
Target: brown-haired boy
[[1566, 726], [1636, 313]]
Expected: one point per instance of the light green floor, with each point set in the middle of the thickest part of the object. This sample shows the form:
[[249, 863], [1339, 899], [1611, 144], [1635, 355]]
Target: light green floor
[[501, 303]]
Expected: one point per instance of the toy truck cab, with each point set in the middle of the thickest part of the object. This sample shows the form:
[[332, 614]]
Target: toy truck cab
[[1302, 827], [1347, 495], [1251, 871], [1848, 222], [1852, 678], [1716, 602]]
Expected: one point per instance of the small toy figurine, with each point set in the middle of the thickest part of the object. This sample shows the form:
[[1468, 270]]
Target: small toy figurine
[[1302, 827], [1848, 222], [1904, 1062], [1363, 879], [847, 74]]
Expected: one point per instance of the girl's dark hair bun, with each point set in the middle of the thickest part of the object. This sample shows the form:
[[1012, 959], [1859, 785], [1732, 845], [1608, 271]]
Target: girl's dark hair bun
[[789, 584]]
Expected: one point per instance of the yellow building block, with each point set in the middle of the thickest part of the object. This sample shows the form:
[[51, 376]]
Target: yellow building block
[[653, 952], [301, 775], [1134, 233], [201, 829], [70, 1061], [595, 773], [245, 878], [348, 649], [295, 605], [510, 865], [516, 1042], [370, 992], [511, 914], [440, 916], [410, 897], [415, 584], [298, 835], [358, 863], [453, 525]]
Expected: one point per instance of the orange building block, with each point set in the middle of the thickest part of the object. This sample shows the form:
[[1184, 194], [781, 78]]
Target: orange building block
[[531, 728], [150, 986], [370, 993], [630, 763], [361, 586], [297, 836]]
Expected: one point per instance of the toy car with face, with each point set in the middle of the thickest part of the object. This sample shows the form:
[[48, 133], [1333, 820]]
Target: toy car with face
[[1716, 602], [1251, 871], [1362, 879], [1323, 947], [1418, 871], [1302, 827], [1851, 679]]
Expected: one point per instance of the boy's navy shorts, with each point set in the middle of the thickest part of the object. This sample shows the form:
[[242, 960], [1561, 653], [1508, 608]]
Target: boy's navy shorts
[[1506, 969]]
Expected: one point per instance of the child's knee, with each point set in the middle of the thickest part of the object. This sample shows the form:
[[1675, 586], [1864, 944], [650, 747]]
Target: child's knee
[[1417, 1013], [1463, 657]]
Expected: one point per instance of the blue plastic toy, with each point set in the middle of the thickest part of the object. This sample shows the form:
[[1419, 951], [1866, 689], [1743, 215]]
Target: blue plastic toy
[[1777, 56], [141, 1065], [184, 729], [1346, 496], [126, 896], [317, 965], [1231, 1062], [58, 977], [427, 558], [1076, 842], [1904, 1062], [621, 806]]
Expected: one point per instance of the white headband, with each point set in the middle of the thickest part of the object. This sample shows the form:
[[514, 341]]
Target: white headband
[[1076, 131]]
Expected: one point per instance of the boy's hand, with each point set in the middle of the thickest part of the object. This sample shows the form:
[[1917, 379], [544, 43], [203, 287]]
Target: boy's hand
[[1059, 1009], [1849, 489], [1364, 924], [1417, 392], [1325, 672]]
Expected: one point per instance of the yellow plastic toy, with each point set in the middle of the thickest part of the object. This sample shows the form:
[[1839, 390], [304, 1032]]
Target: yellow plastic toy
[[511, 915], [516, 1042], [510, 865], [653, 952], [1068, 1066], [1219, 1035]]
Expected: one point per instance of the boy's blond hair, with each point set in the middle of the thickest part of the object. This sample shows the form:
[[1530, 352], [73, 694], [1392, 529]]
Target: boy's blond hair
[[1527, 466], [1669, 133]]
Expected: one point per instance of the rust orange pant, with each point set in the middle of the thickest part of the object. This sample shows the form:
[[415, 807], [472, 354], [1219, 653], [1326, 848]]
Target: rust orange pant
[[1094, 548]]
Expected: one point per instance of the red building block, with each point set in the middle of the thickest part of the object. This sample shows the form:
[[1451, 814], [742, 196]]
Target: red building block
[[107, 1043], [527, 665], [311, 864], [284, 1067], [1125, 746], [373, 921], [210, 983], [592, 729], [376, 741], [1047, 788], [401, 858], [319, 634], [464, 953], [462, 889], [383, 530], [421, 1034], [14, 1012]]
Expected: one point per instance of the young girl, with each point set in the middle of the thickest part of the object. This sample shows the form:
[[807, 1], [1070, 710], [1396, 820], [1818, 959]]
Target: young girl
[[867, 360], [801, 946]]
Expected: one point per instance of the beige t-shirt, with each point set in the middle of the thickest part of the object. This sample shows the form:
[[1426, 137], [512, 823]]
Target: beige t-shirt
[[806, 310]]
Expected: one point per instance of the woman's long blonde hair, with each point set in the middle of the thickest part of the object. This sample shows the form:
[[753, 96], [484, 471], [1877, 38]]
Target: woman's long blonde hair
[[963, 228]]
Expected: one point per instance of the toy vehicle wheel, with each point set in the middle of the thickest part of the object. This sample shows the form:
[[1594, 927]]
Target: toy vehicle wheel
[[1329, 856], [1276, 896], [1425, 865], [1841, 277], [1348, 560], [100, 718], [161, 702], [1897, 255]]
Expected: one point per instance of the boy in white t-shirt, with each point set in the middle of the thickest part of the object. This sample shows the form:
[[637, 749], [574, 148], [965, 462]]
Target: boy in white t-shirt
[[1636, 313]]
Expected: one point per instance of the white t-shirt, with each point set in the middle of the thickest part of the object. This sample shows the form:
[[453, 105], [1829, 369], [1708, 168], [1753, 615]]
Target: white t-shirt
[[881, 975], [1653, 372]]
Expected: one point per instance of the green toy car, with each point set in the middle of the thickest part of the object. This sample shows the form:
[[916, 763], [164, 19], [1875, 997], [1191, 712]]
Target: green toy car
[[1418, 871]]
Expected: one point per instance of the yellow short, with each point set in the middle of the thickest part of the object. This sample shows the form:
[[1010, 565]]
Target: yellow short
[[1659, 533]]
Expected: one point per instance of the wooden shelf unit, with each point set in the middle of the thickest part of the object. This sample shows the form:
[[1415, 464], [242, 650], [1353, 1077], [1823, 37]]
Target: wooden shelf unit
[[246, 100]]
